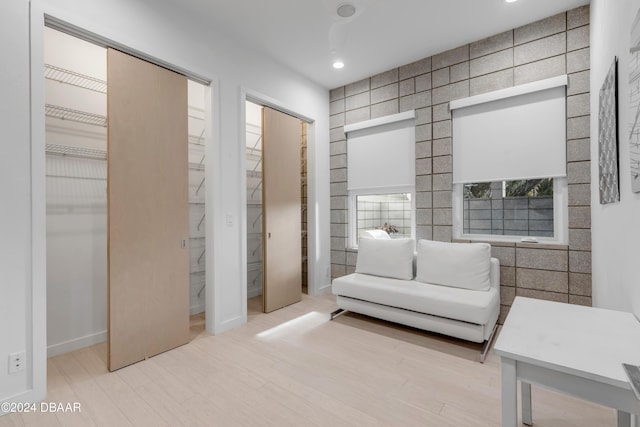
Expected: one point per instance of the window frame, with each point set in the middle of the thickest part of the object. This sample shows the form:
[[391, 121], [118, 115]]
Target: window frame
[[352, 209], [560, 218]]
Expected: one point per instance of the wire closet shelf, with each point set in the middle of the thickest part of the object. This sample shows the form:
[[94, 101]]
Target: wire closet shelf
[[61, 75], [64, 113]]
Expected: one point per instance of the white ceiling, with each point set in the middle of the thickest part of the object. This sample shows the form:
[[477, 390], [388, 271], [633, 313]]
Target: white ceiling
[[383, 34]]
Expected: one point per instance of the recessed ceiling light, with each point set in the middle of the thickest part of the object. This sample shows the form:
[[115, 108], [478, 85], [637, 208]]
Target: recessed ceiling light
[[346, 10], [510, 1], [338, 64]]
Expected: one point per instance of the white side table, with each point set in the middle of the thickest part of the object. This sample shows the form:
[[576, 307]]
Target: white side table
[[573, 349]]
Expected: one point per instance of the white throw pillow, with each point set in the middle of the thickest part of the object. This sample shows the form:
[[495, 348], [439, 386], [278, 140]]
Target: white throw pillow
[[386, 257], [459, 265]]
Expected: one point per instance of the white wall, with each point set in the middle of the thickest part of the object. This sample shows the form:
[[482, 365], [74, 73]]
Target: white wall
[[615, 227], [162, 30], [76, 206], [76, 252], [76, 278], [19, 327]]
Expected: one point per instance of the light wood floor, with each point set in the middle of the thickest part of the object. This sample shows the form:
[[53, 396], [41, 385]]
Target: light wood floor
[[294, 367]]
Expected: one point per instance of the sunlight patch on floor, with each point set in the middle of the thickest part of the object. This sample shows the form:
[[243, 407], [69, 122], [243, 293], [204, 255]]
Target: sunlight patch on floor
[[298, 326]]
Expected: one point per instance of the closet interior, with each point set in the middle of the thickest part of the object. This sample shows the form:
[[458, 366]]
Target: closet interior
[[76, 193], [254, 180], [254, 199]]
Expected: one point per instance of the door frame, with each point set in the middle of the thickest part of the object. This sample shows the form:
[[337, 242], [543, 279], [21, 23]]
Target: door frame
[[39, 19], [247, 94]]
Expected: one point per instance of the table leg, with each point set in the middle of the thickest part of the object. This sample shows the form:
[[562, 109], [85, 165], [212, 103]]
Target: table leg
[[509, 393], [526, 404], [624, 419]]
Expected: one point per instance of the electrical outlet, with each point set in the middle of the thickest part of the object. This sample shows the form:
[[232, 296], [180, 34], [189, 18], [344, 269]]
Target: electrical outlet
[[17, 362]]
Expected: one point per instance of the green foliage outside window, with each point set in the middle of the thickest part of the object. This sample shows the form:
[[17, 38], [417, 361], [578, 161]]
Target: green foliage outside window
[[519, 188]]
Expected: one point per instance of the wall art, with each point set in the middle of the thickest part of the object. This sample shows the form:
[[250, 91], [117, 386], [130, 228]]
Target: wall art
[[634, 104], [608, 137]]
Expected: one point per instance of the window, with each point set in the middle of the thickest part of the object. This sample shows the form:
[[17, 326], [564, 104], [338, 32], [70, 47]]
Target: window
[[389, 212], [509, 164], [381, 176], [515, 208]]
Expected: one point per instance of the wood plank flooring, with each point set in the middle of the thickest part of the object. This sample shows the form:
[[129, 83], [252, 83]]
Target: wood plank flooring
[[294, 367]]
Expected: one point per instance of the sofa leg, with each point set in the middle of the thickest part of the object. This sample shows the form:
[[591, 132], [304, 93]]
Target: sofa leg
[[337, 313], [487, 344]]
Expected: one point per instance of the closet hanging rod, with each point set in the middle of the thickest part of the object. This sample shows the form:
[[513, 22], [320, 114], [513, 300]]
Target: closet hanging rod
[[86, 178], [90, 153], [61, 75], [57, 209], [72, 115]]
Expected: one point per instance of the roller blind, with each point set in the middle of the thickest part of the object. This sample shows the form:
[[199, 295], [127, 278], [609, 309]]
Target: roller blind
[[381, 153], [516, 133]]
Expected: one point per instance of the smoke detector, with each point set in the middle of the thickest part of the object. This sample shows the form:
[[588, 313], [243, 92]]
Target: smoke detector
[[346, 10]]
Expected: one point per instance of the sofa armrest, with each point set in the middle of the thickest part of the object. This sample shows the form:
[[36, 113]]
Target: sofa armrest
[[494, 273]]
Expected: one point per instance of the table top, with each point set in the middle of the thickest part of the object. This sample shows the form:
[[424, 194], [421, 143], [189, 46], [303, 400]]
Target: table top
[[584, 341]]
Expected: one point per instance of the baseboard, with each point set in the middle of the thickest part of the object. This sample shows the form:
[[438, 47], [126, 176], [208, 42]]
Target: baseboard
[[29, 396], [252, 293], [326, 289], [77, 343], [98, 337], [229, 324], [197, 309]]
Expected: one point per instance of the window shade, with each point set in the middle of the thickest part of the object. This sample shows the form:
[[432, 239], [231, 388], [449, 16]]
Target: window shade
[[381, 153], [517, 133]]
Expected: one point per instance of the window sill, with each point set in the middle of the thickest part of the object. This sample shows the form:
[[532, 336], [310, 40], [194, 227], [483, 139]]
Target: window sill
[[514, 243]]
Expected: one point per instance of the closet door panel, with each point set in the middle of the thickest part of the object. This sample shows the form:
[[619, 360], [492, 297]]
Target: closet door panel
[[282, 253], [148, 265]]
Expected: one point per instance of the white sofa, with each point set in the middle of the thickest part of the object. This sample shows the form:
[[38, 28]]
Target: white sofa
[[448, 288]]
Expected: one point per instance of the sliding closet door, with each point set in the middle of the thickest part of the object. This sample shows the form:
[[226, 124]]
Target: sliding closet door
[[148, 257], [282, 248]]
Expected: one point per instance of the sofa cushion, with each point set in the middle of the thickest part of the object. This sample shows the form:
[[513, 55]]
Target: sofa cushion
[[454, 303], [386, 257], [459, 265]]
